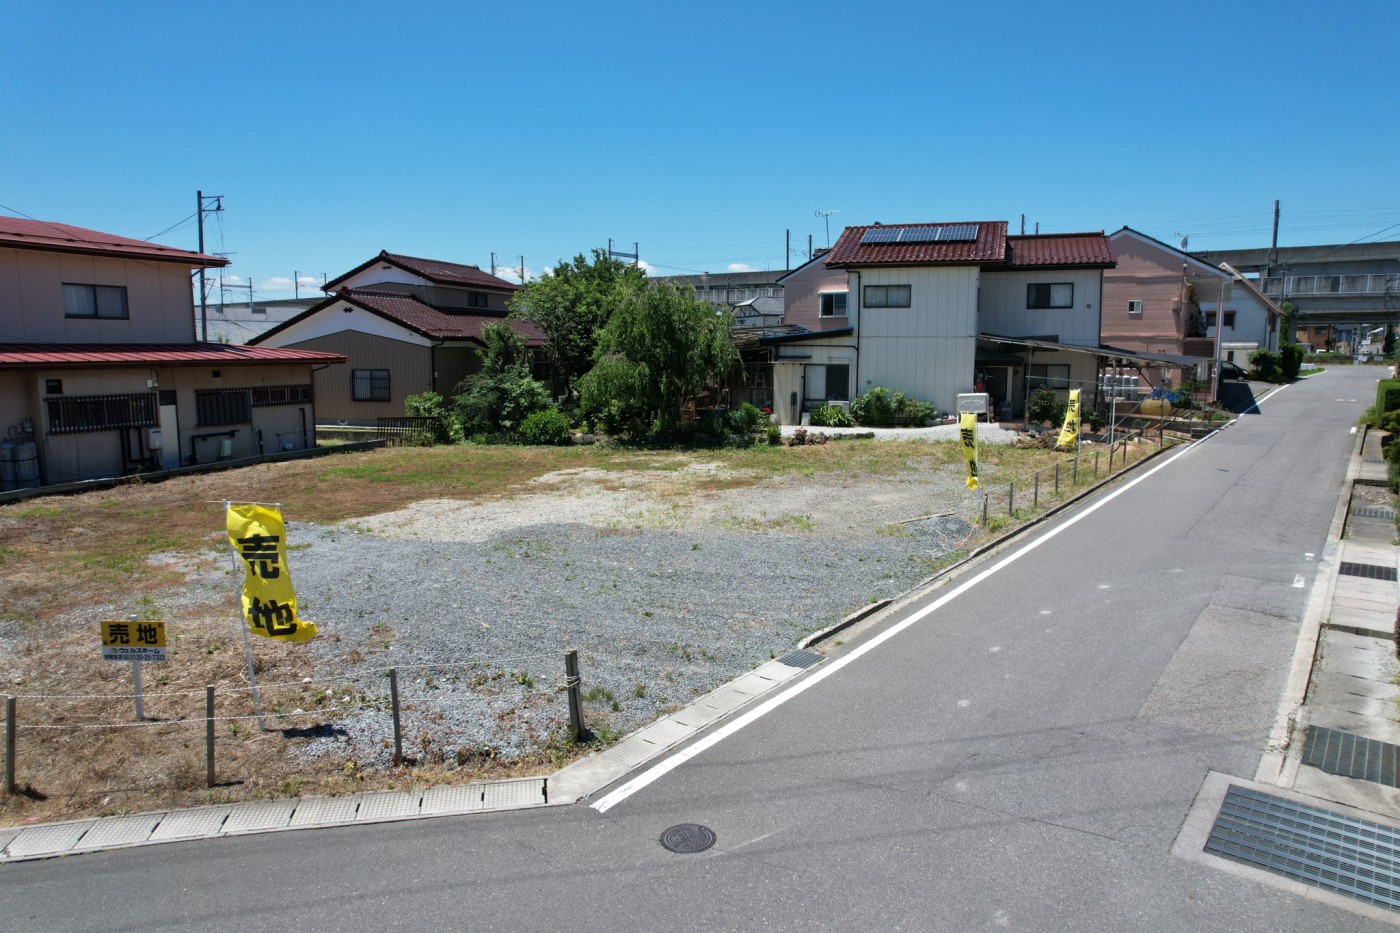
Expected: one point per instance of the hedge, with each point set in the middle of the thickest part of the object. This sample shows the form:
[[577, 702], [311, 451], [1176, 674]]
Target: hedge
[[1387, 396]]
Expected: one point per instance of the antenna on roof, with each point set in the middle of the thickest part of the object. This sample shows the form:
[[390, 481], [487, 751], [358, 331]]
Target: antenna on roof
[[826, 215]]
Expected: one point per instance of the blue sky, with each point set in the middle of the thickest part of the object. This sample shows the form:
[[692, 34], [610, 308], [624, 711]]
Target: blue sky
[[702, 132]]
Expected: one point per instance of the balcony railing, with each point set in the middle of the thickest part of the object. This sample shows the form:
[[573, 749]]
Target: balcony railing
[[1291, 286]]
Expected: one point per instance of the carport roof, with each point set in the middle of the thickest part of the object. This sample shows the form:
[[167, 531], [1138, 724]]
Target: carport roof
[[107, 355], [1102, 350]]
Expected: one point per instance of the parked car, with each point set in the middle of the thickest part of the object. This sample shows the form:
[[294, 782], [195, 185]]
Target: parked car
[[1232, 370]]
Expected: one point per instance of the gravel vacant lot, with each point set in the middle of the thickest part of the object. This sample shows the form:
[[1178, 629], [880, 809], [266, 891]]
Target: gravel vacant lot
[[475, 604]]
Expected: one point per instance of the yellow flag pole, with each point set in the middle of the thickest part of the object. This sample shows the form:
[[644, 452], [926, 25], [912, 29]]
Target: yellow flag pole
[[243, 627]]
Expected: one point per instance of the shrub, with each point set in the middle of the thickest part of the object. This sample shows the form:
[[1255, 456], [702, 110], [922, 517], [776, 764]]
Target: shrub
[[1290, 361], [547, 427], [1042, 405], [745, 419], [775, 435], [829, 416], [446, 428], [1268, 364], [1387, 395], [873, 408]]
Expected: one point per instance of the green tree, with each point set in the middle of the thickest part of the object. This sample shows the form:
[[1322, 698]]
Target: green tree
[[502, 395], [1289, 324], [660, 347], [1388, 347], [571, 303]]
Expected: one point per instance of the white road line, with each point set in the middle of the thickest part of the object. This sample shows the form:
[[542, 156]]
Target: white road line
[[661, 769]]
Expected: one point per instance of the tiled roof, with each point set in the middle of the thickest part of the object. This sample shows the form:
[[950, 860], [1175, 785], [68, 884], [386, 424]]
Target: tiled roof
[[990, 246], [432, 322], [107, 355], [23, 233], [1060, 249], [434, 270]]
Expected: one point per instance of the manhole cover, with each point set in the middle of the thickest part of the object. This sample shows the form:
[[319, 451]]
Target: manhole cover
[[688, 837]]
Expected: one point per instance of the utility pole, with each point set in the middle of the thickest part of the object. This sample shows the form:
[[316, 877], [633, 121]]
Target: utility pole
[[218, 200], [296, 281], [787, 252], [1273, 246], [826, 215], [809, 246], [493, 263]]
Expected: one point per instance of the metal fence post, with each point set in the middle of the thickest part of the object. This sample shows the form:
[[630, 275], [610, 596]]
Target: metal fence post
[[209, 736], [10, 746], [1011, 498], [1076, 469], [1035, 494], [573, 682], [984, 508], [1096, 463], [1110, 458], [1057, 479], [394, 706]]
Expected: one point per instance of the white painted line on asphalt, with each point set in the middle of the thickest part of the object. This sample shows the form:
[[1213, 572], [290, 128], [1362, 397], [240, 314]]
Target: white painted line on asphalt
[[662, 768], [1297, 581], [1353, 429]]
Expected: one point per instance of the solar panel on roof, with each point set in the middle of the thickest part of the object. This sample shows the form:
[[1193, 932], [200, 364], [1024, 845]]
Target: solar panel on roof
[[957, 232], [924, 233], [881, 235]]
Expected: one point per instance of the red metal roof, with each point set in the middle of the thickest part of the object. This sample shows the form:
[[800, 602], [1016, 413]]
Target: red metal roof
[[435, 323], [109, 355], [990, 246], [1060, 249], [434, 270], [23, 233]]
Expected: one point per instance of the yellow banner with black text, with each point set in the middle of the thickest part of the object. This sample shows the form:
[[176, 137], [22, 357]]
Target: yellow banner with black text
[[967, 433], [269, 602], [1069, 434]]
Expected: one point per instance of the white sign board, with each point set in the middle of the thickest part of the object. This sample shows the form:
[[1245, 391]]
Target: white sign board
[[977, 403]]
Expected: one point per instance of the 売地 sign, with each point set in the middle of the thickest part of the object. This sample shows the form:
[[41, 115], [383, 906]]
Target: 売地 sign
[[133, 641]]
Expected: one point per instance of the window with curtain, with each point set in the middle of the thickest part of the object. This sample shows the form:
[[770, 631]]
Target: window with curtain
[[104, 301], [1050, 295]]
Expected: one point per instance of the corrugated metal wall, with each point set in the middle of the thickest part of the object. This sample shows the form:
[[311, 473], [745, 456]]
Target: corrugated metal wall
[[410, 372]]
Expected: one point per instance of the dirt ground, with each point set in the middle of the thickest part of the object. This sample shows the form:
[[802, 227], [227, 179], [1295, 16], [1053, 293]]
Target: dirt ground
[[134, 550]]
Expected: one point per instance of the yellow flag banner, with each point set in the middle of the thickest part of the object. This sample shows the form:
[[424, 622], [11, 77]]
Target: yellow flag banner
[[269, 603], [967, 432], [1069, 434]]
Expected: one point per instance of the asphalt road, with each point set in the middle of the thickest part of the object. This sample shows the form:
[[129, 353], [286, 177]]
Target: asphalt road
[[1021, 757]]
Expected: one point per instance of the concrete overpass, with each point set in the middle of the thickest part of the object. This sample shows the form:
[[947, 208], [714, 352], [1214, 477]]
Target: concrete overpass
[[1328, 284]]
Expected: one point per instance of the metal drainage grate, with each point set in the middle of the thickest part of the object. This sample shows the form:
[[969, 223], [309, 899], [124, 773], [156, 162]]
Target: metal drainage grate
[[802, 659], [688, 837], [1373, 511], [1373, 461], [1369, 571], [1352, 756], [1354, 857]]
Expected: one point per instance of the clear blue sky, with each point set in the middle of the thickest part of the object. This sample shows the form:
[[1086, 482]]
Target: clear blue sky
[[701, 131]]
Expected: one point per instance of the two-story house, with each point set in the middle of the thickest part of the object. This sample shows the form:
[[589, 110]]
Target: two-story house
[[407, 325], [101, 374], [937, 309], [1161, 300]]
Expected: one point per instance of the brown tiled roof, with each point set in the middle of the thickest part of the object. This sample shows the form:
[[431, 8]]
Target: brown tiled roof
[[434, 270], [106, 355], [23, 233], [433, 322], [1060, 249], [989, 247]]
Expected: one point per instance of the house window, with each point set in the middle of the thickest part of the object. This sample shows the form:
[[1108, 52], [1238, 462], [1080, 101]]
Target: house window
[[887, 296], [213, 407], [1320, 331], [1051, 375], [107, 301], [1229, 319], [833, 304], [268, 396], [1054, 295], [476, 300], [53, 386], [829, 383], [370, 385], [75, 414], [1135, 308]]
